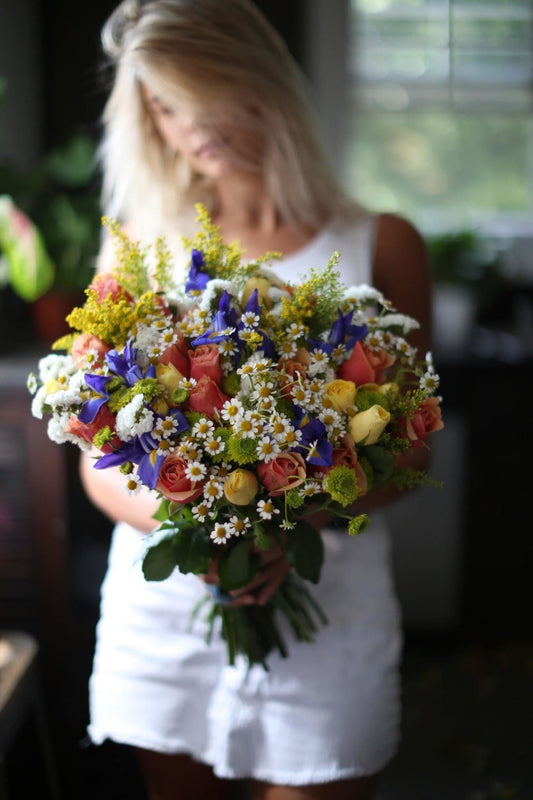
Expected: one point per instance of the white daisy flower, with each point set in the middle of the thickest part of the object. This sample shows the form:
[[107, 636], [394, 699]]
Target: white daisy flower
[[279, 426], [287, 348], [250, 320], [247, 426], [363, 294], [213, 446], [133, 484], [267, 449], [195, 471], [202, 511], [165, 428], [429, 381], [266, 509], [213, 490], [164, 447], [221, 533], [232, 410], [227, 348], [239, 525], [203, 429], [187, 384]]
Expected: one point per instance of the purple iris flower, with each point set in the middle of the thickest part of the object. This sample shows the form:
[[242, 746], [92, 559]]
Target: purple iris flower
[[344, 332], [125, 365], [197, 280], [91, 407], [313, 434], [224, 320]]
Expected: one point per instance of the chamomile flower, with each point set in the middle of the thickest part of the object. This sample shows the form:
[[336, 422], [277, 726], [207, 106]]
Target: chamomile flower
[[267, 449], [227, 348], [165, 447], [247, 425], [213, 489], [311, 488], [133, 484], [406, 350], [263, 391], [319, 360], [250, 320], [374, 340], [331, 419], [287, 348], [203, 429], [266, 509], [287, 525], [221, 533], [279, 426], [221, 470], [195, 471], [232, 410], [165, 428], [213, 446], [239, 524], [202, 511], [187, 384], [429, 381]]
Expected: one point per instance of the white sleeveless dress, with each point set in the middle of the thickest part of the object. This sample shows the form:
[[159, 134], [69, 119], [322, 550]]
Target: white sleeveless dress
[[330, 711]]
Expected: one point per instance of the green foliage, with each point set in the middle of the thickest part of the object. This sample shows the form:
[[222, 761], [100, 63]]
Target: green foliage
[[237, 566], [382, 464], [305, 551]]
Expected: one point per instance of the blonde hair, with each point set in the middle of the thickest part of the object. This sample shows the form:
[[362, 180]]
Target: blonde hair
[[224, 55]]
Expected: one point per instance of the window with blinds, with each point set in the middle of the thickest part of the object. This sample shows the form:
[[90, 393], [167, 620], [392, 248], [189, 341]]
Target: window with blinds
[[442, 122]]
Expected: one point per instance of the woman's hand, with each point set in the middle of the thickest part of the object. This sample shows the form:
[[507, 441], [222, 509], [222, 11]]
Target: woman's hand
[[271, 574]]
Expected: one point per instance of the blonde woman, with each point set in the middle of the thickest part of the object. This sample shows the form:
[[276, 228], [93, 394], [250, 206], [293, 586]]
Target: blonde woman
[[207, 105]]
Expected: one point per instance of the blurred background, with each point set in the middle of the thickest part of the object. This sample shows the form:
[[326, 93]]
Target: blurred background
[[427, 109]]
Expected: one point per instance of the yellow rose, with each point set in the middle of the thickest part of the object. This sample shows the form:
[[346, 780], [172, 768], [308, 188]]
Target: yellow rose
[[169, 377], [369, 424], [341, 394], [160, 406], [385, 388], [241, 487], [262, 285]]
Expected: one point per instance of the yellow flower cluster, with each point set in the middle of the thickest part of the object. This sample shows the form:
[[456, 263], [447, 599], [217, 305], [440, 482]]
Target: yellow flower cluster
[[111, 320]]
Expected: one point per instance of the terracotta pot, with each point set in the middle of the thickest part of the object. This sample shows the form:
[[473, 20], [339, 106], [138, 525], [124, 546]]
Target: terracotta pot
[[50, 311]]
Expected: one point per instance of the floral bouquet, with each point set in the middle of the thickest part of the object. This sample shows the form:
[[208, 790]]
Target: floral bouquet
[[246, 404]]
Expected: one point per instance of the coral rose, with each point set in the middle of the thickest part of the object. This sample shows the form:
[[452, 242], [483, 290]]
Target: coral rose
[[206, 396], [241, 487], [176, 354], [282, 473], [87, 430], [85, 343], [173, 482], [205, 360], [427, 419], [366, 365]]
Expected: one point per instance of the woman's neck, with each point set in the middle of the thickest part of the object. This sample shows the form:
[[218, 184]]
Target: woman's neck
[[245, 207]]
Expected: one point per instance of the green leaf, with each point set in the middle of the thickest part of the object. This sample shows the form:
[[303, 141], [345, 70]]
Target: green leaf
[[160, 560], [305, 551], [237, 566], [382, 463], [161, 515], [192, 549]]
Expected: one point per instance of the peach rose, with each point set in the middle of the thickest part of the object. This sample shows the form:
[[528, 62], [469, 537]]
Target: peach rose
[[105, 285], [366, 365], [282, 473], [241, 487], [87, 430], [427, 419], [176, 354], [173, 482], [205, 360], [205, 397], [84, 343]]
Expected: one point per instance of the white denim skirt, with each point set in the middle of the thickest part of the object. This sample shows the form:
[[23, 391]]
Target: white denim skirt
[[330, 711]]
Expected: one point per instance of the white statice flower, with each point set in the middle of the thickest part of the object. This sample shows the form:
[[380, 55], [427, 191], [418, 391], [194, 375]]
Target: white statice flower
[[215, 288], [65, 398], [146, 338], [402, 321], [134, 419], [53, 366], [267, 449], [221, 533], [133, 484], [363, 294], [429, 381], [56, 432], [32, 383], [38, 402], [266, 509]]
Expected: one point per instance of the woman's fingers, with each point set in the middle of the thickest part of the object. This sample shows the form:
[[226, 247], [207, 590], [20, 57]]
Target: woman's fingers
[[270, 578]]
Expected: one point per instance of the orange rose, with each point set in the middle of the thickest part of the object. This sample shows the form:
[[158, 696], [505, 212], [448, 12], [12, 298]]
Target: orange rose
[[205, 360], [205, 397], [83, 344], [366, 365], [282, 473], [427, 419], [87, 430], [173, 482]]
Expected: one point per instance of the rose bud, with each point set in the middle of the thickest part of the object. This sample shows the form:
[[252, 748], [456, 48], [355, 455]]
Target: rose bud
[[340, 394], [205, 360], [369, 425], [283, 473], [173, 482], [241, 487]]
